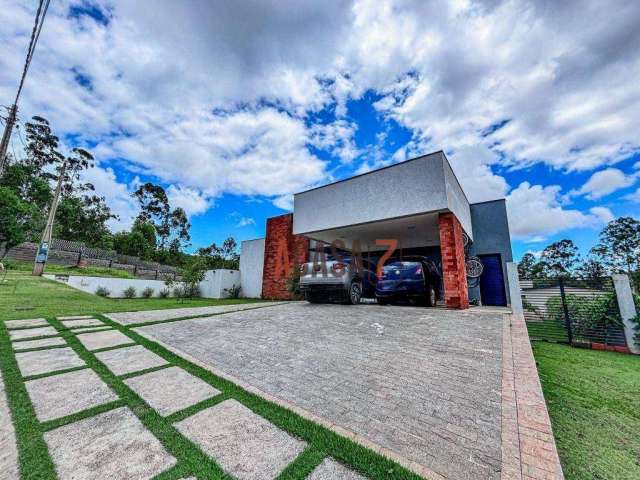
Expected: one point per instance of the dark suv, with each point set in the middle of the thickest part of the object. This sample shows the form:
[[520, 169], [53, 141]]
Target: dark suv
[[413, 279]]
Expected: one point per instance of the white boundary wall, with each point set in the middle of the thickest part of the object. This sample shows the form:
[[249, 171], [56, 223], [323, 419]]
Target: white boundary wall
[[251, 266], [213, 286]]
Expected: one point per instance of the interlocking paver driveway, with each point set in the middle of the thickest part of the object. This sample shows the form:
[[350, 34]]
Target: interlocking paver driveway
[[424, 383]]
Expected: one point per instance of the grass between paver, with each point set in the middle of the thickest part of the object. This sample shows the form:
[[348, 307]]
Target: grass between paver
[[593, 399], [25, 296], [36, 463]]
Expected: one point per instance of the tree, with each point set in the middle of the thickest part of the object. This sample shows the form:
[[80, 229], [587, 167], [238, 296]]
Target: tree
[[592, 269], [84, 219], [42, 148], [225, 256], [619, 245], [169, 225], [15, 220], [529, 267], [560, 258], [139, 242]]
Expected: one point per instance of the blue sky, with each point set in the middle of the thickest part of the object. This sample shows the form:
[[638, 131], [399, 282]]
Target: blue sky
[[235, 107]]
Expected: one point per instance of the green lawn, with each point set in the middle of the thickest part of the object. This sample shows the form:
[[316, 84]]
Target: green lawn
[[594, 403], [91, 271], [25, 296]]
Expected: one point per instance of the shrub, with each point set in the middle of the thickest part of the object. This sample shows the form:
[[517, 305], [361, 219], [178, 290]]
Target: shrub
[[164, 293], [179, 292], [293, 282], [147, 292], [192, 275], [233, 292], [103, 291], [130, 292]]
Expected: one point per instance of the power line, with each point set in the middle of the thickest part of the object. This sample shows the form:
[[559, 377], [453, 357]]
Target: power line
[[41, 12]]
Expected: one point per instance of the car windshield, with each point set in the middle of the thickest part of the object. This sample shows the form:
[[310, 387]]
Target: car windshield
[[401, 270]]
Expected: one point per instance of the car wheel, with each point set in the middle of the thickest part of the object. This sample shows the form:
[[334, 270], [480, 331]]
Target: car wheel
[[431, 296], [355, 293]]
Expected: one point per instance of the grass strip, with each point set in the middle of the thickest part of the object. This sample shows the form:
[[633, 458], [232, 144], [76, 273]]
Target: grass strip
[[52, 373], [27, 327], [33, 455], [303, 465], [37, 349], [113, 347], [198, 407], [40, 337], [143, 372], [342, 449], [177, 472], [176, 444], [90, 412]]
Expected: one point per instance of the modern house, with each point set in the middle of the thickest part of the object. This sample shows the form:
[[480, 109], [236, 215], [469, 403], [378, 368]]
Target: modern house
[[418, 204]]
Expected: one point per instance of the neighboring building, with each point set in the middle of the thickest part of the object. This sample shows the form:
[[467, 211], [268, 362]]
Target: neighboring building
[[419, 203]]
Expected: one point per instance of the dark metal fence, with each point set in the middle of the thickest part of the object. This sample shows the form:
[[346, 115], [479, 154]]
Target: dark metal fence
[[574, 311]]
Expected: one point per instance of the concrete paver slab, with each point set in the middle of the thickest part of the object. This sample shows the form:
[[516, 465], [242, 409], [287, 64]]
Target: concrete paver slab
[[31, 322], [45, 361], [130, 359], [8, 445], [244, 444], [92, 329], [31, 333], [108, 338], [329, 469], [128, 318], [171, 389], [84, 322], [75, 317], [43, 342], [113, 445], [69, 393], [423, 383]]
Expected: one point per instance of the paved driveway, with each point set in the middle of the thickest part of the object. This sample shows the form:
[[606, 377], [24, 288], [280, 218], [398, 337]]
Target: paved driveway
[[423, 383]]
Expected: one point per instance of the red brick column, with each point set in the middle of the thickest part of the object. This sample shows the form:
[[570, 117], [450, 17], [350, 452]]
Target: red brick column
[[456, 292], [282, 252]]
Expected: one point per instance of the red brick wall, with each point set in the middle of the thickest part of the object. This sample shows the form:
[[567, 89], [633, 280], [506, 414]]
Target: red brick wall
[[282, 252], [456, 292]]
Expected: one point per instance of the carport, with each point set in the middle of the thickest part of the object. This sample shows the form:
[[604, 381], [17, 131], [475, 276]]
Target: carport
[[417, 205]]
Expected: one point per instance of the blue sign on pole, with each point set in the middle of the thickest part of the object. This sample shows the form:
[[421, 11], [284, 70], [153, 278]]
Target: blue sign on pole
[[43, 252]]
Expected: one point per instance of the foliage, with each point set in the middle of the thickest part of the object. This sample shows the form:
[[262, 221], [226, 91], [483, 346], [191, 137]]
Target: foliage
[[192, 275], [16, 220], [103, 291], [560, 258], [619, 245], [139, 242], [233, 292], [592, 269], [293, 282], [529, 267], [225, 256], [172, 226], [147, 292], [585, 311], [84, 219], [636, 320], [164, 293], [130, 292]]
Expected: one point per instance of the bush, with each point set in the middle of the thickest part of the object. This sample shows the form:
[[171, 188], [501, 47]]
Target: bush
[[587, 311], [103, 292], [233, 292], [164, 293], [179, 292], [130, 292], [147, 292], [192, 275]]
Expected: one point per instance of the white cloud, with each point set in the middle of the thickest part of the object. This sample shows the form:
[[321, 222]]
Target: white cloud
[[245, 222], [603, 213], [336, 138], [535, 211], [472, 166], [605, 182], [192, 201], [118, 196], [633, 197]]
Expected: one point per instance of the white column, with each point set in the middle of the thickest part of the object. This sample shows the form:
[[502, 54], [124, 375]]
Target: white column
[[627, 309], [514, 288]]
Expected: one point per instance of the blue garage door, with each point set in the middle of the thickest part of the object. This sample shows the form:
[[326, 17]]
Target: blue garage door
[[492, 281]]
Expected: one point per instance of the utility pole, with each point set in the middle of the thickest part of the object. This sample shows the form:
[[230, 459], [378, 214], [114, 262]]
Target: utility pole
[[45, 242], [43, 6]]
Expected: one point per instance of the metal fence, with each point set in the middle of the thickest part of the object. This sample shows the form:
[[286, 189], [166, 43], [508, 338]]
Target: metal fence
[[574, 311]]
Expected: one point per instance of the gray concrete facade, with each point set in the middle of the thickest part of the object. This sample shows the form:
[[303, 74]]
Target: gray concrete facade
[[422, 185], [491, 227]]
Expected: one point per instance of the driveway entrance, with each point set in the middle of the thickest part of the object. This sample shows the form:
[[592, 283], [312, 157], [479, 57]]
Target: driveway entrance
[[424, 384]]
